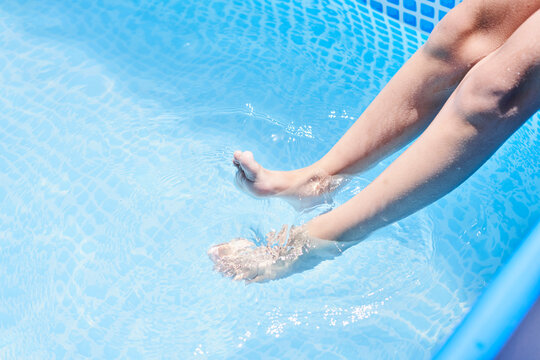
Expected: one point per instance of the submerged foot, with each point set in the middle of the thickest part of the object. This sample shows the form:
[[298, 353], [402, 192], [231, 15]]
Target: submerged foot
[[284, 253], [241, 259], [303, 188]]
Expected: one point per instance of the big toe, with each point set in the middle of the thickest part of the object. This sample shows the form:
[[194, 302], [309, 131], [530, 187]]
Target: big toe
[[249, 166], [236, 157], [219, 251]]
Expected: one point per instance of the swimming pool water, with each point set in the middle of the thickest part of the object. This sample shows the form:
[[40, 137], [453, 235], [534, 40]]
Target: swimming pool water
[[117, 127]]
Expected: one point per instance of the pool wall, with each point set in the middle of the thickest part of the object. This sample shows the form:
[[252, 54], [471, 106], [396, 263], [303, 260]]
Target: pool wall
[[500, 309], [513, 292]]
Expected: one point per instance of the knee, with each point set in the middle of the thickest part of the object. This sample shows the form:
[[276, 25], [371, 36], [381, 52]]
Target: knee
[[487, 95], [464, 35], [501, 90], [475, 98], [447, 36]]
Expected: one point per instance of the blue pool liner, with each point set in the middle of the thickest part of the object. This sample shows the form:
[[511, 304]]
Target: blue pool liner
[[422, 15], [500, 309]]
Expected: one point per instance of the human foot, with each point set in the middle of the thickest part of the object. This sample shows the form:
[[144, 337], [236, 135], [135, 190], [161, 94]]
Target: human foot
[[284, 254], [303, 188], [241, 259]]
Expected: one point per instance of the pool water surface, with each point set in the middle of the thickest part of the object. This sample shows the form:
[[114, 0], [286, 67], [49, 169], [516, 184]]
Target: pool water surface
[[117, 125]]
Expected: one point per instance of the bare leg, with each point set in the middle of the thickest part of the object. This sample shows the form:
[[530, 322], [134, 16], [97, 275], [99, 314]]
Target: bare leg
[[407, 104], [495, 98]]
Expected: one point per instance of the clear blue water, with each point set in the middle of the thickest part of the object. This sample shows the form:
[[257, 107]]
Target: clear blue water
[[117, 124]]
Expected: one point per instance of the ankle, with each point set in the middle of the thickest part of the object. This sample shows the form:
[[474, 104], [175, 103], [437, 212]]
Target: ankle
[[314, 173], [323, 167], [321, 228]]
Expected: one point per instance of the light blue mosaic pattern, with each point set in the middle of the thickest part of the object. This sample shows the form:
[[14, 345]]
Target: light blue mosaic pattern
[[117, 126], [419, 14]]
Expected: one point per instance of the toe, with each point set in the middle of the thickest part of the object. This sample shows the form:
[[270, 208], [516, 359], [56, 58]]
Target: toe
[[235, 246], [250, 167], [214, 253], [236, 157]]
